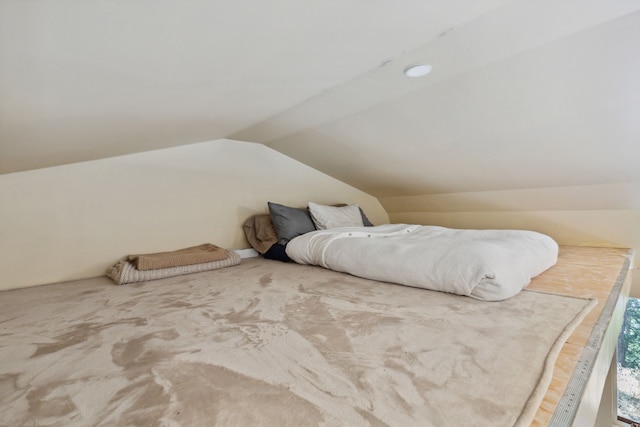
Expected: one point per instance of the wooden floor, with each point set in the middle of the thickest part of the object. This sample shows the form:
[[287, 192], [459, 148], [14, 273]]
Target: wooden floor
[[598, 270]]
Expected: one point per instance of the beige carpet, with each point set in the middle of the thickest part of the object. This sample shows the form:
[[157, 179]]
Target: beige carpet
[[272, 344]]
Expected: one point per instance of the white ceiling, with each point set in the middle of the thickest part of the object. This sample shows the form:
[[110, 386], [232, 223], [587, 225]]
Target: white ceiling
[[524, 94]]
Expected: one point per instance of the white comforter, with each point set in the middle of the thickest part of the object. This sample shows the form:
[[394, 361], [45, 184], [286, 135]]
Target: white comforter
[[488, 265]]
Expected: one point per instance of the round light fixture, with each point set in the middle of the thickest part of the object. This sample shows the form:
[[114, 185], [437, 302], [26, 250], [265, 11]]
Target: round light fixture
[[417, 70]]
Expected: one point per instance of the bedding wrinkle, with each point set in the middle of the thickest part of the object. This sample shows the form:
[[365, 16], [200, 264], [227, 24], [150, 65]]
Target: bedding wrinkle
[[489, 265]]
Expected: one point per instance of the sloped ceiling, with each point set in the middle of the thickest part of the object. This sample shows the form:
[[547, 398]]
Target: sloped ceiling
[[523, 94]]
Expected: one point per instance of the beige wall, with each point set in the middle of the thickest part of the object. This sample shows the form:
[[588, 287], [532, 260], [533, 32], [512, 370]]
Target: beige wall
[[70, 222], [594, 215]]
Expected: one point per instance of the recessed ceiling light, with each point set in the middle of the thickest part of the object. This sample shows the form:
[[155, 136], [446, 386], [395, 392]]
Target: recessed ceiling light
[[417, 70]]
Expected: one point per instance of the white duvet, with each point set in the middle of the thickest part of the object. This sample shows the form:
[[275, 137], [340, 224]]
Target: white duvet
[[489, 265]]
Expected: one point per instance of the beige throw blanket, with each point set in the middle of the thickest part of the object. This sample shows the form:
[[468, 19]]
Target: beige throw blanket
[[188, 256], [124, 272]]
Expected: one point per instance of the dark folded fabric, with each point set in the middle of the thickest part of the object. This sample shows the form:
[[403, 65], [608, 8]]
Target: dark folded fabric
[[277, 252]]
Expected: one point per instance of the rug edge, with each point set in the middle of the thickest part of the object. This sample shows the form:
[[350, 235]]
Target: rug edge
[[537, 395]]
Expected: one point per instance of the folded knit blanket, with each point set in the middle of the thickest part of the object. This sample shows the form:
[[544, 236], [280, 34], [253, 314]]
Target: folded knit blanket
[[187, 256], [124, 272]]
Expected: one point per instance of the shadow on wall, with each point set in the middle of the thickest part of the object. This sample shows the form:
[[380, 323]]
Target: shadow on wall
[[567, 227]]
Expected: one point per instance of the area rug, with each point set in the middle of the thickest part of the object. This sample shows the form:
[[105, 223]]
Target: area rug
[[266, 343]]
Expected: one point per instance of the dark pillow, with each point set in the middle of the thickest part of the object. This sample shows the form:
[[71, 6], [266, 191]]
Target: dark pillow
[[365, 220], [277, 252], [290, 222]]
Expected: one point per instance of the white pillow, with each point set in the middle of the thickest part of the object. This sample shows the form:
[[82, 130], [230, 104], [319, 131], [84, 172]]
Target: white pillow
[[325, 217]]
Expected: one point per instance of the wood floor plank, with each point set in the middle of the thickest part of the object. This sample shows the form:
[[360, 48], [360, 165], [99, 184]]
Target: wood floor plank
[[583, 272]]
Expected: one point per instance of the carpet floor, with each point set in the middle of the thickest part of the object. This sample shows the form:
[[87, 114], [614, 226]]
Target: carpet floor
[[265, 343]]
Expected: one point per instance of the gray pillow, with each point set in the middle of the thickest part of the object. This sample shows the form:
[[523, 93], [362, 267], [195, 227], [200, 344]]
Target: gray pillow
[[365, 220], [290, 222]]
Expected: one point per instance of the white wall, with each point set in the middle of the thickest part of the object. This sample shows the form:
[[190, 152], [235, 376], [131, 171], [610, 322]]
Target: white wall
[[591, 215], [71, 222]]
